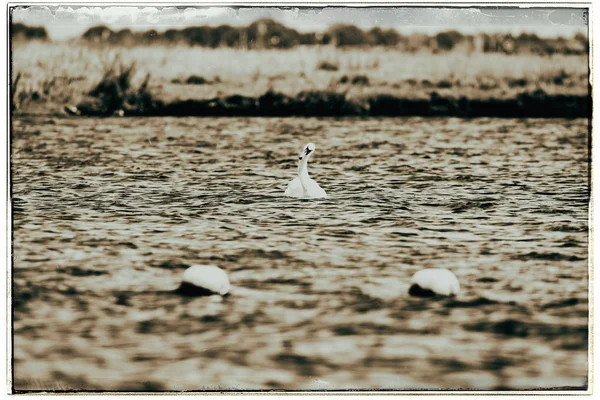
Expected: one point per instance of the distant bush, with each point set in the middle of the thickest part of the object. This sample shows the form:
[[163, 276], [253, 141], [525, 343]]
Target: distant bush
[[98, 34], [225, 36], [123, 37], [360, 80], [388, 38], [346, 35], [267, 33], [520, 82], [448, 40], [444, 84], [308, 39], [560, 77], [196, 80], [582, 40], [327, 66], [20, 31]]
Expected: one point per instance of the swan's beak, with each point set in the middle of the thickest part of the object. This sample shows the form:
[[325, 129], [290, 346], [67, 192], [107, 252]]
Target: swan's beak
[[307, 151]]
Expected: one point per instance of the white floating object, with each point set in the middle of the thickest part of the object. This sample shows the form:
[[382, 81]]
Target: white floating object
[[303, 186], [201, 280], [431, 281], [72, 110]]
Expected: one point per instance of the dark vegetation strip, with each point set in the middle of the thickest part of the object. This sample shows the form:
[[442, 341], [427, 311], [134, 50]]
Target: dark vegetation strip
[[330, 104]]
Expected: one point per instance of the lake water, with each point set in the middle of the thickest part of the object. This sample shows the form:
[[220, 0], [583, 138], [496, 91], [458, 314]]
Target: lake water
[[108, 213]]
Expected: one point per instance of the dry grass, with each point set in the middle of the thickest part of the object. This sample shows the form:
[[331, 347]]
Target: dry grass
[[61, 73]]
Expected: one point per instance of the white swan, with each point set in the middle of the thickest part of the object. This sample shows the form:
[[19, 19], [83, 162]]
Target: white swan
[[303, 185], [431, 281], [202, 280]]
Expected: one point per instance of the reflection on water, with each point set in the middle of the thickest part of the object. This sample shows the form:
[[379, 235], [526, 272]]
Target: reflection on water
[[108, 213]]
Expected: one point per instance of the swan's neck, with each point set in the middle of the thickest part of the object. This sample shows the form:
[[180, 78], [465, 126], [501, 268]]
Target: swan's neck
[[303, 172]]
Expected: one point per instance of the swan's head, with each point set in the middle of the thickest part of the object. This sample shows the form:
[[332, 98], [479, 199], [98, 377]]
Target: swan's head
[[307, 151]]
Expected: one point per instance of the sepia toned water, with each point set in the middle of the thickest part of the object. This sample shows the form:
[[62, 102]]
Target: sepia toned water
[[108, 213]]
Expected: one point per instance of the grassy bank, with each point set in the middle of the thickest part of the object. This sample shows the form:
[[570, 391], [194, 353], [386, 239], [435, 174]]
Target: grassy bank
[[303, 81]]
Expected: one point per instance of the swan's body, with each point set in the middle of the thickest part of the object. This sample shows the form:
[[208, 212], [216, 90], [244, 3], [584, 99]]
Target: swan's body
[[310, 188], [303, 186], [199, 280], [432, 281]]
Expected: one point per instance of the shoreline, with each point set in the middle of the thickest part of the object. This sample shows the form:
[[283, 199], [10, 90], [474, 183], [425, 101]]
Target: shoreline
[[536, 104]]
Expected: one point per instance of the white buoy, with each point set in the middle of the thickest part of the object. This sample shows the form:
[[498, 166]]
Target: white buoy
[[203, 280], [434, 281], [72, 110], [303, 186]]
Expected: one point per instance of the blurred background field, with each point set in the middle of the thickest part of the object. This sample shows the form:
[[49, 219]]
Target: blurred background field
[[213, 62]]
